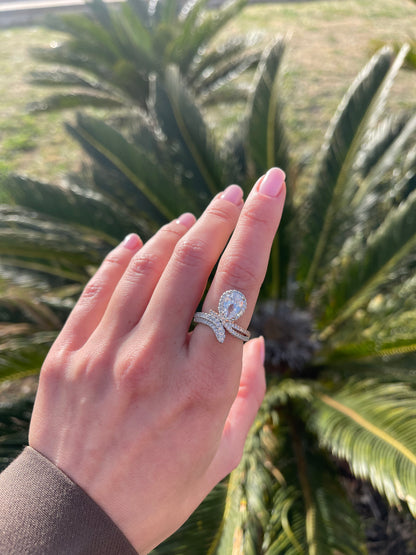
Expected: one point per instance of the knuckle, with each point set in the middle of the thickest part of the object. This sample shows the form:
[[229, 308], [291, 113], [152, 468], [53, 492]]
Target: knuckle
[[112, 259], [56, 362], [237, 272], [92, 290], [171, 232], [220, 212], [191, 253], [133, 374], [252, 216], [142, 264]]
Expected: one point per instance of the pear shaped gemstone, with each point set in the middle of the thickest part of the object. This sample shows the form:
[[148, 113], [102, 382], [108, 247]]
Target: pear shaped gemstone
[[232, 305]]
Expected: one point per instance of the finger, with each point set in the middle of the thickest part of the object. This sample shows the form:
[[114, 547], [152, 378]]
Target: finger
[[181, 286], [244, 262], [135, 288], [242, 413], [93, 302]]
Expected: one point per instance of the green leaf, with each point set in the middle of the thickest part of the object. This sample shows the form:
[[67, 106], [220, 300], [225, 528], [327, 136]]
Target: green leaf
[[366, 269], [73, 100], [387, 159], [223, 75], [267, 143], [387, 327], [283, 497], [23, 234], [267, 146], [227, 57], [325, 205], [23, 356], [372, 426], [310, 511], [151, 183], [199, 31], [184, 127], [72, 205], [14, 427]]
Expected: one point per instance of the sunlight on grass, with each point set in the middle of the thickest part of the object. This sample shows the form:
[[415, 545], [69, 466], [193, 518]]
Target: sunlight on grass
[[327, 44]]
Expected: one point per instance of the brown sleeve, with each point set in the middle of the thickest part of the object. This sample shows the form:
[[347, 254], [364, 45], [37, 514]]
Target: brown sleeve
[[42, 512]]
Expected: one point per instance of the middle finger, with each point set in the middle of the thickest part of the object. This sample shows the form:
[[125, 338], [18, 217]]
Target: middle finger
[[181, 286]]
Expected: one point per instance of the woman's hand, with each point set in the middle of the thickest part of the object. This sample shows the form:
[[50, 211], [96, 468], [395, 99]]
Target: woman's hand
[[144, 415]]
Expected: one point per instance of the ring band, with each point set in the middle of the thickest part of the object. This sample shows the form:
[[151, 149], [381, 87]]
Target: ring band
[[231, 306]]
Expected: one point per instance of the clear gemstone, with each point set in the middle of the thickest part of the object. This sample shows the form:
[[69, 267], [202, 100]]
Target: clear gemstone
[[232, 304]]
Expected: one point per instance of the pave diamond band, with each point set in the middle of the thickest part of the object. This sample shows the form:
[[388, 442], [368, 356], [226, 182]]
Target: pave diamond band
[[231, 306]]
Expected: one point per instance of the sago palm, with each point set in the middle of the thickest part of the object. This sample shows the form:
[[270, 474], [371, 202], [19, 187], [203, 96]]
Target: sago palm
[[337, 307], [109, 55]]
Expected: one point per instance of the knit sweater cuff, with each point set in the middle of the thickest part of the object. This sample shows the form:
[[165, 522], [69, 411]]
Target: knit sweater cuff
[[42, 511]]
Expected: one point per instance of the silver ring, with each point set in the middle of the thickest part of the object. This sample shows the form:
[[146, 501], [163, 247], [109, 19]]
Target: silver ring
[[231, 306]]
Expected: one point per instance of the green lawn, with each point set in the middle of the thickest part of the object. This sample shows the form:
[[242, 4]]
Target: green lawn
[[327, 44]]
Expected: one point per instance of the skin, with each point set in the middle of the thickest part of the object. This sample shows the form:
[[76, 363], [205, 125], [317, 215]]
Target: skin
[[144, 415]]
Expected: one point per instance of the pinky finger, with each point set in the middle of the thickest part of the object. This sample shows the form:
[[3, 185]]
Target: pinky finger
[[91, 306]]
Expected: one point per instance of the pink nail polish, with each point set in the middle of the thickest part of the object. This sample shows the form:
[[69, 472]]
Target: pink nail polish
[[272, 183], [132, 241], [186, 219], [233, 193]]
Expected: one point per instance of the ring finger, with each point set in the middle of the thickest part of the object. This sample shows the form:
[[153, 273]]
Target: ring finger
[[141, 276]]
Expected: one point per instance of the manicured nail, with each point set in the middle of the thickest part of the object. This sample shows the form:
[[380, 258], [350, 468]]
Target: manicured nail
[[272, 183], [132, 241], [233, 193], [186, 219]]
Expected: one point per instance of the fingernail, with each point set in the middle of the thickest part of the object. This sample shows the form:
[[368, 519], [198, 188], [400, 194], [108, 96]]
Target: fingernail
[[186, 219], [272, 183], [131, 241], [233, 193]]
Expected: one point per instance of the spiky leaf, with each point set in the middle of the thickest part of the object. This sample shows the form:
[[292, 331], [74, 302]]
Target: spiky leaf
[[371, 424]]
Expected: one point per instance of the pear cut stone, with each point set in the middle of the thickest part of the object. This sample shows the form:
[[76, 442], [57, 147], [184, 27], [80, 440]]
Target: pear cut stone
[[232, 304]]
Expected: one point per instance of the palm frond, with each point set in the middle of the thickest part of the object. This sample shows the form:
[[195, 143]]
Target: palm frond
[[23, 356], [84, 208], [182, 123], [14, 427], [123, 47], [224, 74], [371, 425], [24, 235], [199, 30], [65, 78], [386, 327], [325, 205], [384, 155], [310, 511], [234, 48], [267, 146], [282, 498], [250, 491], [362, 274], [150, 185], [266, 136], [68, 101]]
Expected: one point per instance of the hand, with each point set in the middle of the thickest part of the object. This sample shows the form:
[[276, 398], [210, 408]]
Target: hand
[[144, 415]]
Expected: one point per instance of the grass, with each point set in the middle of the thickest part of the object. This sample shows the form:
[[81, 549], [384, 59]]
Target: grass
[[327, 44], [33, 144]]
